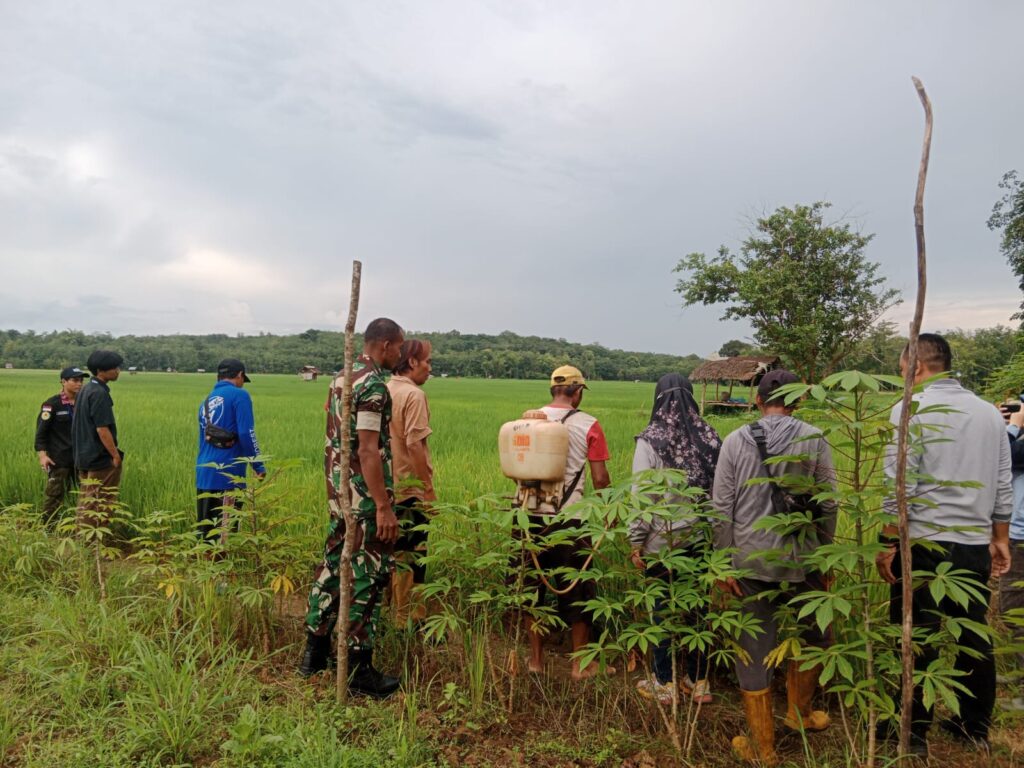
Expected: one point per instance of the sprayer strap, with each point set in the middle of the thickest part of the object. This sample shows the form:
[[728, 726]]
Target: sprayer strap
[[570, 489]]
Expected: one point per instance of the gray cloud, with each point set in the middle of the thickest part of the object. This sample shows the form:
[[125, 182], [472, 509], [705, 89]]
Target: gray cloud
[[421, 116], [490, 163]]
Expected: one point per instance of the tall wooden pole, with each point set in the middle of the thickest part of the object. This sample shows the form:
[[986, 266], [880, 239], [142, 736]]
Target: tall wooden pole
[[903, 442], [344, 430]]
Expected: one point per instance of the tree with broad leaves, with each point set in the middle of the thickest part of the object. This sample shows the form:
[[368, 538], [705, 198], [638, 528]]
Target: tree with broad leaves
[[1008, 216], [736, 347], [803, 285]]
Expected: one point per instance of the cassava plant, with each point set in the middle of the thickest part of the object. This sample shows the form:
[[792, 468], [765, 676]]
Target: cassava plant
[[479, 567], [637, 612], [236, 580], [862, 666], [94, 529]]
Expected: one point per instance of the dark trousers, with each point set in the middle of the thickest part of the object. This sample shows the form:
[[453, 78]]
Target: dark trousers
[[213, 508], [410, 514], [696, 666], [980, 673], [1011, 596], [572, 553], [59, 482]]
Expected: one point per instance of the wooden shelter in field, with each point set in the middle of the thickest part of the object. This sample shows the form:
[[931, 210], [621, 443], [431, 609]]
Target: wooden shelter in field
[[735, 380], [309, 372]]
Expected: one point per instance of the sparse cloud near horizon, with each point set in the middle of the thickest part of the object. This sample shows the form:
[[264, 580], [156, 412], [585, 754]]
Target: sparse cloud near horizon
[[529, 167]]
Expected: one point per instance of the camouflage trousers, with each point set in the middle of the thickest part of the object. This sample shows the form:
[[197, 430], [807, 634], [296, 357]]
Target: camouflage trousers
[[60, 481], [372, 563]]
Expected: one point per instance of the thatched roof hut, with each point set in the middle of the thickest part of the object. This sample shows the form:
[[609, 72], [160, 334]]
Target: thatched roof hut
[[743, 370]]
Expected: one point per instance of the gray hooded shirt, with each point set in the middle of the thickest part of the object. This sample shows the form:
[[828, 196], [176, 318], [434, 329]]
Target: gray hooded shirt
[[740, 505]]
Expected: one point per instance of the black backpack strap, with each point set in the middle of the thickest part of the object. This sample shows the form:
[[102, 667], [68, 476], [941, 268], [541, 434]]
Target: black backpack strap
[[570, 489], [761, 441]]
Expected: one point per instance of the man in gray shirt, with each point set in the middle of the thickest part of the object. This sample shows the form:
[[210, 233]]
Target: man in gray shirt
[[964, 439], [772, 581]]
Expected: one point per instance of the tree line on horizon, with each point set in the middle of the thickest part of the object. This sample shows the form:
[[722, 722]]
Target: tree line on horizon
[[977, 353], [506, 355]]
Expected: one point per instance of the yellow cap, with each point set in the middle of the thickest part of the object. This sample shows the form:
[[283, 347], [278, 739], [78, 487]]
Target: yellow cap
[[567, 374]]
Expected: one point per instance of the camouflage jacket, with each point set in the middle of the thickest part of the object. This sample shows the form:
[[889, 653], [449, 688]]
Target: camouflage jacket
[[371, 409]]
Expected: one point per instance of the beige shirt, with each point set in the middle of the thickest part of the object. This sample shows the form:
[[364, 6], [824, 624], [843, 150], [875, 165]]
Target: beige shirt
[[410, 423]]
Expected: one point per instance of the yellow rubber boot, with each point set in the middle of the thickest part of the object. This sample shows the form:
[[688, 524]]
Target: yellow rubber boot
[[800, 687], [760, 746]]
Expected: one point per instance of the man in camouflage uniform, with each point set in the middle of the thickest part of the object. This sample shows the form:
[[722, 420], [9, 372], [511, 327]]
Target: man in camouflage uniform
[[372, 495]]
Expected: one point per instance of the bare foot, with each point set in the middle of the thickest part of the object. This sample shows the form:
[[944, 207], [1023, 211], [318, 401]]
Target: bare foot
[[536, 667], [592, 669]]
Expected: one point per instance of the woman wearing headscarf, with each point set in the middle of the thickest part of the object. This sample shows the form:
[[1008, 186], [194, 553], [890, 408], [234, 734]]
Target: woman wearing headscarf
[[677, 437]]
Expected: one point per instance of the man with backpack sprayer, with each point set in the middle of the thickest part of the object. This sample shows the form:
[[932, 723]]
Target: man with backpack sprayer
[[740, 504], [587, 447]]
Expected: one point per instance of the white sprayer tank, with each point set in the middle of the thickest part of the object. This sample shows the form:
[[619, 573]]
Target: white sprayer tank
[[533, 448]]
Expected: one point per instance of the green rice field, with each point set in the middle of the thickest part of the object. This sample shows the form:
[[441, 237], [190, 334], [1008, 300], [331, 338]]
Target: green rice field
[[156, 418], [190, 660]]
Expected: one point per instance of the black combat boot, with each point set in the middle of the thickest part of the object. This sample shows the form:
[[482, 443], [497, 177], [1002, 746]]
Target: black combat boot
[[316, 656], [366, 679]]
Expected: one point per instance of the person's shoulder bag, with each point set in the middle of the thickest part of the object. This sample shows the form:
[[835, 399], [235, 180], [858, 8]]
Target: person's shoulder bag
[[216, 436]]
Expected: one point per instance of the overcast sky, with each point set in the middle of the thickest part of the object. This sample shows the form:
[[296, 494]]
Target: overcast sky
[[534, 167]]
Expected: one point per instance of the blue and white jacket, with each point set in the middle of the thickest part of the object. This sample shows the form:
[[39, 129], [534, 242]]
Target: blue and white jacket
[[231, 409]]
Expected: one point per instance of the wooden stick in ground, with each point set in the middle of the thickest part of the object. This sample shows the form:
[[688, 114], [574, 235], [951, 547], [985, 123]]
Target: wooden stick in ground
[[902, 506], [345, 456]]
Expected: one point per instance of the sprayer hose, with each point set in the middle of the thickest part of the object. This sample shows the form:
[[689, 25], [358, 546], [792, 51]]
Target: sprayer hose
[[586, 564]]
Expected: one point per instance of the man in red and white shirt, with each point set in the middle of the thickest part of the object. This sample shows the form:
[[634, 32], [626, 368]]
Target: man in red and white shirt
[[587, 447]]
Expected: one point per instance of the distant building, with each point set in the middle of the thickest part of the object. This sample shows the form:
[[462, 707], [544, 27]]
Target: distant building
[[8, 366], [309, 372], [743, 372], [200, 370]]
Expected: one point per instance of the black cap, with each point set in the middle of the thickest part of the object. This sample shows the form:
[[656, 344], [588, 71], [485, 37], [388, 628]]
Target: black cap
[[103, 360], [772, 380], [229, 368], [72, 373]]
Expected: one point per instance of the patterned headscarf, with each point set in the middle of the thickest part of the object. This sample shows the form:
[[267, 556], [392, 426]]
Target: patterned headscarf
[[678, 434]]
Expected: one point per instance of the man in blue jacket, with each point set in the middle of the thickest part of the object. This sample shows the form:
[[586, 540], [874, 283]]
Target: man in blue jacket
[[227, 437]]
